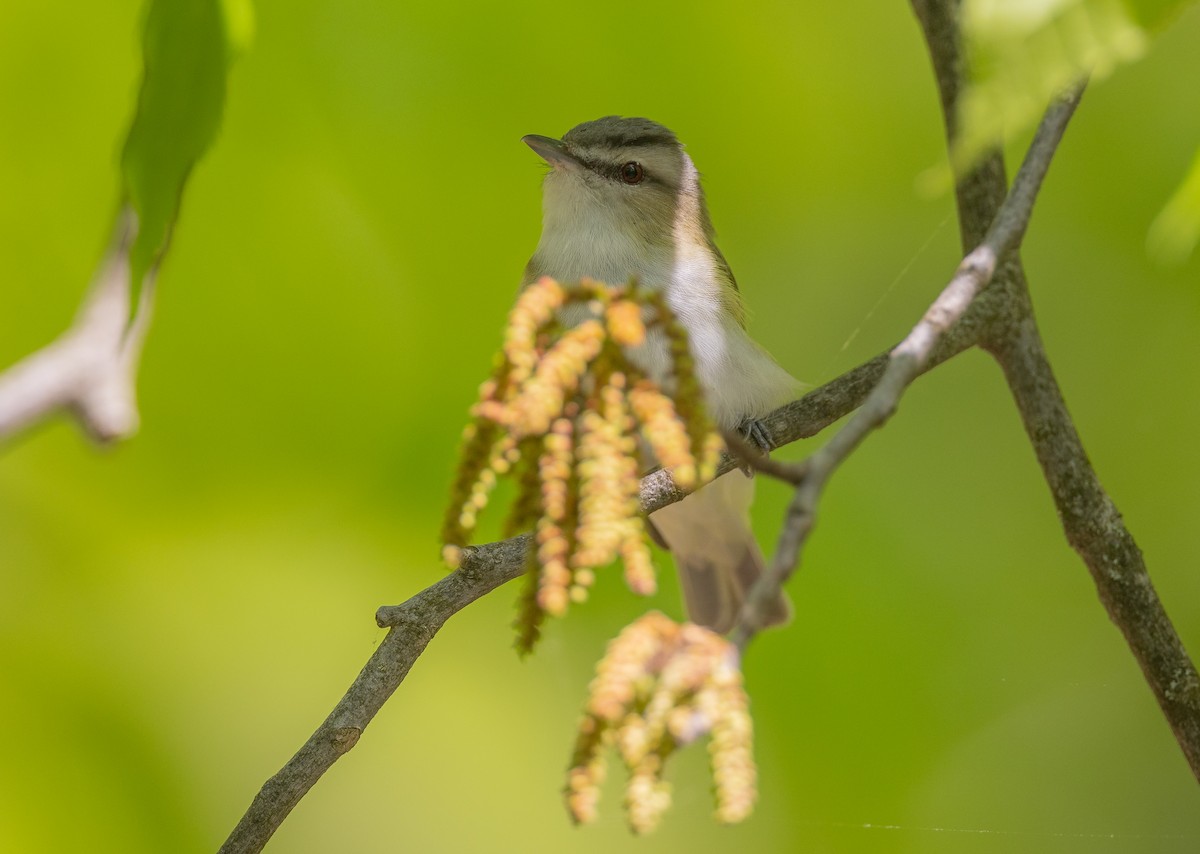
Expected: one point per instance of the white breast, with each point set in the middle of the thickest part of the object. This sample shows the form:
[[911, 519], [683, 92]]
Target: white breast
[[739, 378]]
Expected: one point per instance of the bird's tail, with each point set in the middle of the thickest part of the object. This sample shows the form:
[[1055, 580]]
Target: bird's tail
[[715, 551]]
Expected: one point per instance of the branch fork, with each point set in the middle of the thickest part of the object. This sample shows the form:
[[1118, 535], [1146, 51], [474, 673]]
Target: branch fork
[[993, 223]]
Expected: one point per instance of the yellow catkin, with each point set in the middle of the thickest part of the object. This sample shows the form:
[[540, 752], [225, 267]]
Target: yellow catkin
[[662, 685], [600, 510], [554, 470], [711, 456], [556, 378], [587, 771], [627, 658], [530, 615], [731, 751], [664, 431], [647, 797], [635, 554], [561, 414], [625, 325], [478, 441], [535, 309], [553, 543], [523, 460], [555, 577]]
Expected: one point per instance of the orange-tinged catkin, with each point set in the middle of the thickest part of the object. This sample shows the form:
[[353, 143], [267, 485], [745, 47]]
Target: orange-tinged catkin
[[599, 498], [625, 324], [561, 414], [732, 748], [555, 534], [666, 433], [660, 686], [555, 379], [536, 308], [473, 480], [588, 768], [710, 456], [628, 658], [635, 554], [647, 797]]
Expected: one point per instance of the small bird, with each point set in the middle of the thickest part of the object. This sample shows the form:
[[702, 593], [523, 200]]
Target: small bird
[[622, 200]]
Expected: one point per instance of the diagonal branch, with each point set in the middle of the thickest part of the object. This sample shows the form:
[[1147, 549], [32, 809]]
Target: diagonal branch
[[91, 369], [909, 358], [484, 568], [969, 312], [1090, 519]]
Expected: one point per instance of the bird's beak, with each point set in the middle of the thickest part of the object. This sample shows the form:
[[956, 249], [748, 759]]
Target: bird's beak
[[553, 151]]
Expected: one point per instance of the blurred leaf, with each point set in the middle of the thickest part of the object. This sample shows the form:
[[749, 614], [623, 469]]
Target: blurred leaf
[[1156, 14], [239, 25], [1023, 53], [1174, 232], [187, 47]]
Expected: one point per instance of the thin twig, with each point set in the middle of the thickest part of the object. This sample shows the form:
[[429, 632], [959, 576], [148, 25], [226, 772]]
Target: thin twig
[[751, 456], [956, 324], [484, 568], [907, 361], [1090, 519]]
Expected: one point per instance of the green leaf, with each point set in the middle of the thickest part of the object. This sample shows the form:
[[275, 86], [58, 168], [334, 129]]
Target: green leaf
[[1024, 53], [187, 48], [1174, 232]]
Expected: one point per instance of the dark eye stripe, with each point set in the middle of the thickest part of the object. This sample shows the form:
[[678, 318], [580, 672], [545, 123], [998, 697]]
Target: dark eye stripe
[[612, 171]]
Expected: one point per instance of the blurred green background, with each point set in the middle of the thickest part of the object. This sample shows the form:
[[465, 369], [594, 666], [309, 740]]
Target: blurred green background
[[177, 614]]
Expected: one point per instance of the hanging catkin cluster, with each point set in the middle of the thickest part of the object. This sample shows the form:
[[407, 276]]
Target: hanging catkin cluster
[[660, 686], [563, 413]]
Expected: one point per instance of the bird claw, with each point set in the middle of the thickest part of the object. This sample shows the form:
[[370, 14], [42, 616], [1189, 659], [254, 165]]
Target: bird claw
[[755, 433]]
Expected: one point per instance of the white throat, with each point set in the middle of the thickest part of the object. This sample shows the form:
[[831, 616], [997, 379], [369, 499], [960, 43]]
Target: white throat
[[591, 231], [584, 237]]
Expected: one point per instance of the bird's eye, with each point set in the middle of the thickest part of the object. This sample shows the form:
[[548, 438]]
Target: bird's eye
[[631, 172]]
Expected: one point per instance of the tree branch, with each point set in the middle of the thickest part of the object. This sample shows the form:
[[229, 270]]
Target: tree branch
[[414, 624], [907, 360], [1091, 522], [91, 369], [484, 568], [1094, 528], [970, 311]]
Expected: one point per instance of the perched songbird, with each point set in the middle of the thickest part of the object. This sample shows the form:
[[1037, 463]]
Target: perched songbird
[[622, 200]]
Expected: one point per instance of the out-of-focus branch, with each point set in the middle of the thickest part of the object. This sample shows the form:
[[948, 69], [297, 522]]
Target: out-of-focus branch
[[1091, 522], [91, 369], [906, 362]]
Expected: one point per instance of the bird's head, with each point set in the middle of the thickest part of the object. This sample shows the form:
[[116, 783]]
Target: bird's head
[[630, 171]]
